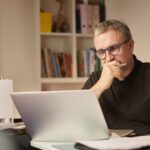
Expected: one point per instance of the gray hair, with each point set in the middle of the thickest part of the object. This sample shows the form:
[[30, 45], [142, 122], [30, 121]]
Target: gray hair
[[115, 25]]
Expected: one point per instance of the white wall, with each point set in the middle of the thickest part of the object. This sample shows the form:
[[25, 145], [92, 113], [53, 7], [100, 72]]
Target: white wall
[[18, 33], [18, 60], [136, 13], [18, 44]]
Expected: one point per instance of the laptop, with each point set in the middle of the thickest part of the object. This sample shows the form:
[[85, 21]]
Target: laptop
[[61, 116]]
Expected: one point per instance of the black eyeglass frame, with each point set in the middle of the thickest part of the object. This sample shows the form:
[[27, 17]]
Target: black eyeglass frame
[[111, 48]]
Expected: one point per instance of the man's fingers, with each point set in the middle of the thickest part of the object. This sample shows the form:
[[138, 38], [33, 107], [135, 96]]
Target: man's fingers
[[117, 73]]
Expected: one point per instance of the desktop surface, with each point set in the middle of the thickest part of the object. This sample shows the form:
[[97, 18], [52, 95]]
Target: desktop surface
[[22, 142]]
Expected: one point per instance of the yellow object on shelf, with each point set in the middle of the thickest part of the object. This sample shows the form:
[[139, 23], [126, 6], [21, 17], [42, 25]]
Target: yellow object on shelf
[[46, 21]]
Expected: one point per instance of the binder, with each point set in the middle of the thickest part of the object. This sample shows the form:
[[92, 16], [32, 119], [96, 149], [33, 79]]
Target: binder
[[78, 19], [96, 15], [84, 18], [90, 19], [102, 10]]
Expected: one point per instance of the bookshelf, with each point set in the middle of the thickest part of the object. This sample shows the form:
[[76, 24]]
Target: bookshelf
[[21, 43], [66, 42]]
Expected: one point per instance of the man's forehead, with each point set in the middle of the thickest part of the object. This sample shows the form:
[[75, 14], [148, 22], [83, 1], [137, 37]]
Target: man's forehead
[[109, 37]]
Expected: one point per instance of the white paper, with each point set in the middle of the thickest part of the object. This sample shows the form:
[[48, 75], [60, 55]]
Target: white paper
[[6, 104], [47, 145], [117, 143]]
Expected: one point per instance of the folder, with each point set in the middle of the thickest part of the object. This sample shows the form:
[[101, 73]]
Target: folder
[[89, 18], [96, 15], [102, 10], [84, 18], [78, 19], [46, 21]]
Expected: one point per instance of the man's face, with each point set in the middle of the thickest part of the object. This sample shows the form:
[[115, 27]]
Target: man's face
[[108, 40]]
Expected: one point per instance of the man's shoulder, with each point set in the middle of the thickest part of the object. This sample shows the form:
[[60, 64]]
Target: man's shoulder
[[145, 65], [96, 74], [141, 63], [145, 69], [92, 79]]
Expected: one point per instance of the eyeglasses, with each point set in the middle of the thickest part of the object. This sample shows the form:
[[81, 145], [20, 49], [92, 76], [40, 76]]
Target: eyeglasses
[[114, 50]]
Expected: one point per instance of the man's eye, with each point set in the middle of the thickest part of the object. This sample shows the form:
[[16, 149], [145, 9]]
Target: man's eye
[[114, 48], [101, 51]]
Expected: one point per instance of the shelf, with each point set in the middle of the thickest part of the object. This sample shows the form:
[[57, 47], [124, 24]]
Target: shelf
[[55, 34], [84, 35], [68, 42], [63, 80], [66, 34]]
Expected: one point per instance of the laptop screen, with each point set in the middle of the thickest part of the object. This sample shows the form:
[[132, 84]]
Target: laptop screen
[[61, 115]]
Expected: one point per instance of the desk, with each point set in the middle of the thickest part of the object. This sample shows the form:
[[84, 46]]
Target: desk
[[13, 140], [48, 146]]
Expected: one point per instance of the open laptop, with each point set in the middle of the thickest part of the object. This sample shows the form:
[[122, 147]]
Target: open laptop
[[61, 116]]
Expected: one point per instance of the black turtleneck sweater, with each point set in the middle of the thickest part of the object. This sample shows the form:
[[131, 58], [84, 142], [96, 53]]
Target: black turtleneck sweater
[[126, 104]]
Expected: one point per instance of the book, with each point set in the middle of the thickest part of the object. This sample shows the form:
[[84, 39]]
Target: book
[[43, 65], [46, 62], [87, 62], [58, 65], [61, 62], [56, 71], [51, 65]]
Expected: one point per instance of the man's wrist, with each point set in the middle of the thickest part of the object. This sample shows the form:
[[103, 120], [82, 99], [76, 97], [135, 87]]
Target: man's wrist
[[98, 88]]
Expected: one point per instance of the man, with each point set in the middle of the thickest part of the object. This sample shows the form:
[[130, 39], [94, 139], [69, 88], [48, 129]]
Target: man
[[123, 85]]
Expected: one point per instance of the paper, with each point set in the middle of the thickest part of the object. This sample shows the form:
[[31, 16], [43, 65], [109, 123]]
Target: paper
[[51, 145], [117, 143], [121, 132]]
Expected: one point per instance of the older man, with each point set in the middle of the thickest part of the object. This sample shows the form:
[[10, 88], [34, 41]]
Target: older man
[[123, 85]]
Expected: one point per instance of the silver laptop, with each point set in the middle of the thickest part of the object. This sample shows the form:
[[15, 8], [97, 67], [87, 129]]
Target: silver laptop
[[61, 116]]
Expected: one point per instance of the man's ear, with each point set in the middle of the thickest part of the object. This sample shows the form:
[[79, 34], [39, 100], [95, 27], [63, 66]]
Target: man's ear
[[131, 45]]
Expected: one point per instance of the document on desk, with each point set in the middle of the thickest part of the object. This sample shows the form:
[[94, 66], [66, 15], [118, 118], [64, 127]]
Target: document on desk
[[53, 145], [117, 143]]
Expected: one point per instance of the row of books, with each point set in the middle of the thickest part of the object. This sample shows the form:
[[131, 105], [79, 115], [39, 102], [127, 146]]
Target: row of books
[[55, 64], [87, 62]]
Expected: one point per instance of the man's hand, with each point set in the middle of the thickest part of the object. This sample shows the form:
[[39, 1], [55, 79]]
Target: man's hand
[[110, 71]]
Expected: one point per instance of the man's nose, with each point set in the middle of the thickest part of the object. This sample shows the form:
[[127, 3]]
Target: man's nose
[[109, 56]]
